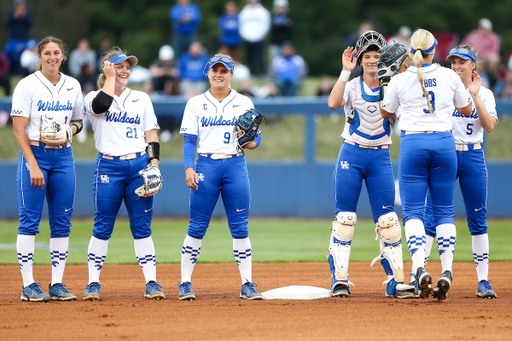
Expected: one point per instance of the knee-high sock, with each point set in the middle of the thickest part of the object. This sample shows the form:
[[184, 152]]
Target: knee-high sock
[[145, 253], [446, 237], [416, 239], [189, 254], [96, 255], [25, 249], [481, 255], [243, 255], [428, 248], [59, 254]]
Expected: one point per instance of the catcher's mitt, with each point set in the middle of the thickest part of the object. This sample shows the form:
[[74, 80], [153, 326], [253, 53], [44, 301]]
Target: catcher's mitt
[[249, 125], [390, 62], [151, 181], [53, 132]]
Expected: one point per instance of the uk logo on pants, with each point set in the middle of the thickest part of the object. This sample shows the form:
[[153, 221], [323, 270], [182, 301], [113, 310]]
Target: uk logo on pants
[[104, 178]]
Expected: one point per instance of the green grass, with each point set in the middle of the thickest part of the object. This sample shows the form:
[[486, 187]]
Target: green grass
[[273, 241]]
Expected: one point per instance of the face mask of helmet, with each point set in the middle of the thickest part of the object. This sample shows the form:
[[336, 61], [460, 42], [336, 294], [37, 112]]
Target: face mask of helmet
[[367, 39]]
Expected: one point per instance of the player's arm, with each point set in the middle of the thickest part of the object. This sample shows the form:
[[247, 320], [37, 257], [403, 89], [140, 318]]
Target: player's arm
[[336, 99], [153, 147], [36, 176], [487, 121], [189, 153], [105, 97], [384, 113]]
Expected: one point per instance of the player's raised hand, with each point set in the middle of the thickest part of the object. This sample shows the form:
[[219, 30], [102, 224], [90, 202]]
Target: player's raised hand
[[108, 69], [474, 85], [348, 59]]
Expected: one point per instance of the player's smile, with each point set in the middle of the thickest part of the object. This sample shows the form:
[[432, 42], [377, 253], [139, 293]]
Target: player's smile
[[51, 57], [123, 72]]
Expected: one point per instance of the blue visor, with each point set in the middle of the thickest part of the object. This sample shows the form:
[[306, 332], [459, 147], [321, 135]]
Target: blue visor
[[121, 57], [461, 53], [226, 61]]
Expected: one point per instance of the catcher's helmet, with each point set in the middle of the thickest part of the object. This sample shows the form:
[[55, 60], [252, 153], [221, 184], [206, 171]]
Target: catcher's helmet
[[366, 39]]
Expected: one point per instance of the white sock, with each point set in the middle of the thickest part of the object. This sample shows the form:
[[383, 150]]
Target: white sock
[[96, 255], [243, 256], [446, 237], [481, 255], [428, 248], [189, 254], [416, 239], [145, 253], [59, 254], [25, 249]]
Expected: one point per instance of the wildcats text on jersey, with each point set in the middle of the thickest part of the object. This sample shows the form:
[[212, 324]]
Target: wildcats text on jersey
[[54, 106], [118, 117], [214, 121], [458, 114]]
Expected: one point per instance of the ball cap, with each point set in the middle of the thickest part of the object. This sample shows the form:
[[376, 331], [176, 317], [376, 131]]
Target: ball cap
[[121, 57], [485, 23]]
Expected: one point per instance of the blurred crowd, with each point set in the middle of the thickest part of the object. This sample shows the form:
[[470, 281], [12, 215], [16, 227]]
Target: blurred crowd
[[254, 36]]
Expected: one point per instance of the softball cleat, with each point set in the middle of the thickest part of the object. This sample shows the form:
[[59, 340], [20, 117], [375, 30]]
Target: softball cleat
[[34, 293], [424, 281], [485, 290], [443, 285]]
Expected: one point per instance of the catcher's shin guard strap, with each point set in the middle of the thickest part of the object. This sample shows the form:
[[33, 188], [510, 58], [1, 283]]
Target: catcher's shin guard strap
[[79, 126], [153, 151], [340, 246]]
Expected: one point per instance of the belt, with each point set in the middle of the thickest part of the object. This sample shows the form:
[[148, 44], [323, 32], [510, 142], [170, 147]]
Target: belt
[[467, 147], [383, 146], [220, 156], [408, 132], [129, 156], [49, 146]]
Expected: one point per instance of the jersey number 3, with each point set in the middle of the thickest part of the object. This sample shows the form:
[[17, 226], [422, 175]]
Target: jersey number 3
[[432, 100]]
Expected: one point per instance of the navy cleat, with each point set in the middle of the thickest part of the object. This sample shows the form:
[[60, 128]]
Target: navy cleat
[[186, 292], [58, 292], [424, 281], [248, 292], [395, 289], [415, 285], [153, 291], [485, 290], [92, 292], [443, 285], [34, 293]]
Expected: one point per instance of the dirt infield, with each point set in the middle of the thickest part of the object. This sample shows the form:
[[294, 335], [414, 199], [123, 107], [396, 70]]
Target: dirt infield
[[219, 313]]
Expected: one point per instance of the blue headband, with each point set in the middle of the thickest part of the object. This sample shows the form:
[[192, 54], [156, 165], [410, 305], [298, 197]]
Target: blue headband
[[461, 53], [426, 51]]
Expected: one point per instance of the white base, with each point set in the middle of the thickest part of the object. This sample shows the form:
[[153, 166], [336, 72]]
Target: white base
[[297, 292]]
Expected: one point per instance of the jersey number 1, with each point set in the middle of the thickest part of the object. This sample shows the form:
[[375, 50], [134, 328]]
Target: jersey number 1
[[131, 133]]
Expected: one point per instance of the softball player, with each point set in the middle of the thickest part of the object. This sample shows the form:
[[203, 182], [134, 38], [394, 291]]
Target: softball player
[[364, 155], [209, 121], [123, 121], [425, 95], [468, 132], [45, 170]]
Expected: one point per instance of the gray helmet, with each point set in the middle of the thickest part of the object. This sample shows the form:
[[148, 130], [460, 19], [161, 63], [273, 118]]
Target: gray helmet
[[366, 39]]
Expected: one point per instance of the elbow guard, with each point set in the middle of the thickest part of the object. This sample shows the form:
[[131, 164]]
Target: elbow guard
[[153, 151], [101, 103]]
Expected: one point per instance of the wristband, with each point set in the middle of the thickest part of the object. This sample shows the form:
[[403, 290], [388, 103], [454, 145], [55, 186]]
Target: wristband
[[153, 151], [79, 126], [344, 75]]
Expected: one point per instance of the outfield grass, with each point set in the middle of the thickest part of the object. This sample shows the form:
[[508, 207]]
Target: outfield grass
[[273, 241]]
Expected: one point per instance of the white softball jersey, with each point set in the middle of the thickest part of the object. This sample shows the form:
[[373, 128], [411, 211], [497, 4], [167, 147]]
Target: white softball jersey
[[121, 129], [35, 95], [363, 121], [468, 129], [445, 89], [214, 122]]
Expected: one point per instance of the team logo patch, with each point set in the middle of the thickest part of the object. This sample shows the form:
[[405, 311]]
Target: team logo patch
[[344, 165], [200, 176], [104, 179], [371, 108]]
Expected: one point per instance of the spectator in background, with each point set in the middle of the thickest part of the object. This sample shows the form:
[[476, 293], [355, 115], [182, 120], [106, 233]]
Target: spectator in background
[[281, 29], [288, 69], [190, 67], [402, 37], [105, 46], [5, 82], [488, 45], [503, 87], [82, 55], [162, 69], [185, 17], [19, 21], [246, 88], [254, 26], [29, 58], [229, 31], [325, 86]]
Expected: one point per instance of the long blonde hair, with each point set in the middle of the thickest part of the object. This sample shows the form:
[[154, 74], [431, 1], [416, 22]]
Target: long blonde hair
[[109, 54], [422, 40], [42, 44]]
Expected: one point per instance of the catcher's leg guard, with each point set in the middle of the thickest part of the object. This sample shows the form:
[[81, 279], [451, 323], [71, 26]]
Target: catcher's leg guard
[[388, 228], [339, 249]]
